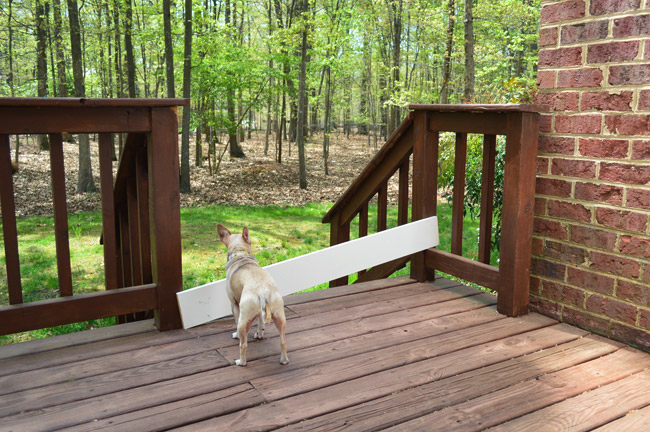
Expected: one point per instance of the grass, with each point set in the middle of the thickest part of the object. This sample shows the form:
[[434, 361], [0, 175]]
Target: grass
[[278, 233]]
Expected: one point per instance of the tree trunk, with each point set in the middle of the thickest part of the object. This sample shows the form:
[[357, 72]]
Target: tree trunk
[[328, 115], [169, 49], [302, 95], [468, 92], [119, 79], [85, 182], [187, 86], [62, 88], [128, 46], [235, 150], [397, 44], [41, 59], [446, 64]]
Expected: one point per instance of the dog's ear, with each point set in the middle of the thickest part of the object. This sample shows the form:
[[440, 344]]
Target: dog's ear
[[223, 232], [245, 235]]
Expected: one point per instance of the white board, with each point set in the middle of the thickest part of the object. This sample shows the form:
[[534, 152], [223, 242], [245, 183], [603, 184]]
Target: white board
[[209, 302]]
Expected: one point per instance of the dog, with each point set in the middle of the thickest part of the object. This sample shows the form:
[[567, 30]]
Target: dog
[[252, 293]]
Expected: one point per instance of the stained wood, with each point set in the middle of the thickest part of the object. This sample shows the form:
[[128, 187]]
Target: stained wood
[[108, 210], [633, 420], [460, 160], [339, 233], [501, 108], [383, 270], [142, 180], [363, 227], [66, 310], [282, 412], [133, 233], [9, 231], [164, 208], [500, 406], [517, 213], [125, 247], [90, 102], [590, 409], [491, 123], [57, 171], [382, 207], [403, 197], [422, 400], [465, 268], [487, 198]]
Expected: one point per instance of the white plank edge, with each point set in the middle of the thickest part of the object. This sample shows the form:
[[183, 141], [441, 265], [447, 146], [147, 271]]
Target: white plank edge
[[208, 302]]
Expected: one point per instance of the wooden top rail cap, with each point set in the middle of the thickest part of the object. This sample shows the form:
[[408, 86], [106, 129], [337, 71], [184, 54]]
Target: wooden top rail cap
[[480, 108], [91, 102]]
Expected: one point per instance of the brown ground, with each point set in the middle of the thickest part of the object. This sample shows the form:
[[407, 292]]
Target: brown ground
[[255, 180]]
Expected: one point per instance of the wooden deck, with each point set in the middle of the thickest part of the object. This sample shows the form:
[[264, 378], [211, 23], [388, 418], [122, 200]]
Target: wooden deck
[[385, 355]]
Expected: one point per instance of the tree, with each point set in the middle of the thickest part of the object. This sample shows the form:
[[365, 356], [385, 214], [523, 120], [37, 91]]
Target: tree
[[187, 86], [300, 138], [235, 150], [85, 182], [468, 93], [128, 45], [40, 13], [62, 88], [446, 65], [169, 49]]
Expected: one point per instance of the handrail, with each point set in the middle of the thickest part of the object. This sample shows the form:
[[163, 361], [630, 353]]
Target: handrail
[[416, 142], [140, 211]]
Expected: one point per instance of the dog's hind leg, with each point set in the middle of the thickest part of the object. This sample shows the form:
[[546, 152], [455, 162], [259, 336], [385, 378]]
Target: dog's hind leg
[[259, 334], [242, 330], [235, 313], [281, 323]]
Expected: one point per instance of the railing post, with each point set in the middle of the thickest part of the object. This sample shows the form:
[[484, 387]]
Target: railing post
[[339, 233], [164, 213], [9, 230], [425, 184], [517, 213]]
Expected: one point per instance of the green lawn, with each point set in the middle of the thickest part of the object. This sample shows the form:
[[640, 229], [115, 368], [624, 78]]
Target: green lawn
[[278, 233]]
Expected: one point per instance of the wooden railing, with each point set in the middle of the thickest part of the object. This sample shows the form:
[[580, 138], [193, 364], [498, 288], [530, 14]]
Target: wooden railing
[[415, 143], [140, 210]]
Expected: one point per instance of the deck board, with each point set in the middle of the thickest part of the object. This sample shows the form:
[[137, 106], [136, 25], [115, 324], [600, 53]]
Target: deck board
[[391, 354]]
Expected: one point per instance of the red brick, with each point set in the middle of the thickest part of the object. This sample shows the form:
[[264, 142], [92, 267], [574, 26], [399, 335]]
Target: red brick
[[646, 273], [560, 57], [563, 293], [599, 193], [625, 173], [584, 32], [546, 307], [545, 123], [564, 210], [633, 336], [554, 187], [585, 320], [540, 206], [614, 265], [628, 124], [545, 79], [638, 198], [635, 246], [635, 293], [646, 50], [621, 219], [573, 78], [563, 101], [549, 228], [574, 168], [604, 101], [612, 308], [591, 281], [535, 284], [631, 26], [613, 52], [644, 97], [603, 148], [542, 165], [578, 124], [644, 320], [548, 269], [548, 36], [628, 74], [564, 252], [563, 11], [538, 245], [641, 150], [593, 237], [549, 144], [602, 7]]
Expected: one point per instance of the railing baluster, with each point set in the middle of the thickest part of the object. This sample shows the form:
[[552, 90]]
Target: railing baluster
[[142, 180], [487, 198], [127, 274], [60, 215], [363, 227], [108, 210], [134, 230], [9, 230], [403, 198], [339, 233], [382, 207], [460, 160]]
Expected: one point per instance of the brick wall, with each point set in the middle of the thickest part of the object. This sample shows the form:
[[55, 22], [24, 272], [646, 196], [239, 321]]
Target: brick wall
[[591, 246]]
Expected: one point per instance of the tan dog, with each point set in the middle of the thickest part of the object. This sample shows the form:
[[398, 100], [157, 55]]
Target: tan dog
[[252, 293]]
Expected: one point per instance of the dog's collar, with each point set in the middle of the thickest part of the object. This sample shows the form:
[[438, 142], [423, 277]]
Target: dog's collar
[[238, 259], [237, 254]]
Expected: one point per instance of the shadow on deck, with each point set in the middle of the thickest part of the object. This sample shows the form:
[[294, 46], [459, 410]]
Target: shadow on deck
[[390, 354]]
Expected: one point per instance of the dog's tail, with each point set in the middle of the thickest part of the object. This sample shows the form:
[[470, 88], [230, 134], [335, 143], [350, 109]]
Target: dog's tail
[[266, 309]]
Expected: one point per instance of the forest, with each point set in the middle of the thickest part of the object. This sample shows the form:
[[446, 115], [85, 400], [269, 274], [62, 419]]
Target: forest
[[272, 66]]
